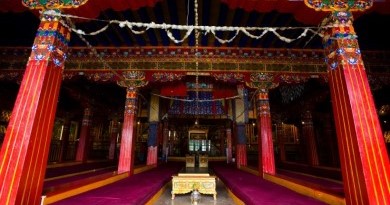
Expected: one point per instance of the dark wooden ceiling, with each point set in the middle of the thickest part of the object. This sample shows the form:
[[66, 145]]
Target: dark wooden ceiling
[[20, 24]]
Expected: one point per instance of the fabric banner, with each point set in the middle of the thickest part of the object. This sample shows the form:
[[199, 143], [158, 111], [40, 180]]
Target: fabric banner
[[174, 89]]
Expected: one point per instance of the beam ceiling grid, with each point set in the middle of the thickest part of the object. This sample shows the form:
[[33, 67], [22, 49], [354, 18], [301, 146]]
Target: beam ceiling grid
[[250, 22], [142, 39], [174, 17], [222, 15], [126, 32], [151, 33], [158, 16], [269, 19], [284, 21], [240, 19], [190, 19], [258, 21], [229, 21], [132, 16], [112, 31], [207, 20]]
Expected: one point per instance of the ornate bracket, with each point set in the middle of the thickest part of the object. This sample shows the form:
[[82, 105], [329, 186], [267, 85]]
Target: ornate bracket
[[339, 5], [262, 81], [53, 4], [133, 79]]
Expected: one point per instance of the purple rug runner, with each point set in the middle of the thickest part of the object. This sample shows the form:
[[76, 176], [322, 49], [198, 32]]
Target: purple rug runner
[[56, 183], [64, 170], [253, 190], [322, 184], [134, 190]]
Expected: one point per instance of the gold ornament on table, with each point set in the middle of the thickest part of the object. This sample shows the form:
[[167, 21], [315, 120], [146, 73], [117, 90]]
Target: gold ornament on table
[[195, 197]]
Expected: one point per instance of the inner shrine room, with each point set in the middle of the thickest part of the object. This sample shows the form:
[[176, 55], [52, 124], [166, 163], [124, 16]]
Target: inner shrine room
[[201, 102]]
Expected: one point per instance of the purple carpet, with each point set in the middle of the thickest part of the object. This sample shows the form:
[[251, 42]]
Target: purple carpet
[[64, 170], [67, 181], [253, 190], [135, 190], [325, 185]]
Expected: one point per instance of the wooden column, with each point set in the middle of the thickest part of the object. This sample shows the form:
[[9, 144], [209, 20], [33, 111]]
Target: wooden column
[[154, 109], [83, 144], [265, 143], [132, 80], [26, 145], [126, 157], [364, 161], [310, 138], [113, 138], [152, 144], [263, 82], [241, 117]]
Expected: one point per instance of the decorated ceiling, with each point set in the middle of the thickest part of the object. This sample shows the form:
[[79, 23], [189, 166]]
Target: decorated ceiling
[[289, 17], [290, 44]]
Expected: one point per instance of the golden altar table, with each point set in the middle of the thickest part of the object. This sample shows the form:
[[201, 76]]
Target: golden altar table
[[186, 182]]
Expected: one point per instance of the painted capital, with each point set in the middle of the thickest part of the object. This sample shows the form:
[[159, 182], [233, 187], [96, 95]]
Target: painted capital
[[53, 4], [131, 103], [262, 81], [340, 41], [339, 5], [51, 42], [262, 102], [133, 79]]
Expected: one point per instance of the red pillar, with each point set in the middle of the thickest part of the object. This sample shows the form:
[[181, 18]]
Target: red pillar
[[241, 146], [364, 161], [113, 137], [26, 145], [83, 145], [152, 144], [309, 136], [126, 156], [265, 143], [65, 139]]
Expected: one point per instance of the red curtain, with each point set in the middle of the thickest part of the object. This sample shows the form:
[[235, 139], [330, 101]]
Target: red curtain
[[174, 89]]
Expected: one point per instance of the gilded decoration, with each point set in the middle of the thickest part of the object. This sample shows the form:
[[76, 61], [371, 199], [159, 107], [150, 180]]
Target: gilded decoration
[[100, 77], [51, 43], [186, 182], [53, 4], [263, 104], [289, 78], [131, 101], [340, 40], [165, 77], [133, 79], [262, 81], [339, 5], [229, 77]]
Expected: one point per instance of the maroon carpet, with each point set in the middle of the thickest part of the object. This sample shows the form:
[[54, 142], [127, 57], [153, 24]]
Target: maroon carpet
[[57, 183], [63, 170], [253, 190], [322, 184], [134, 190]]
